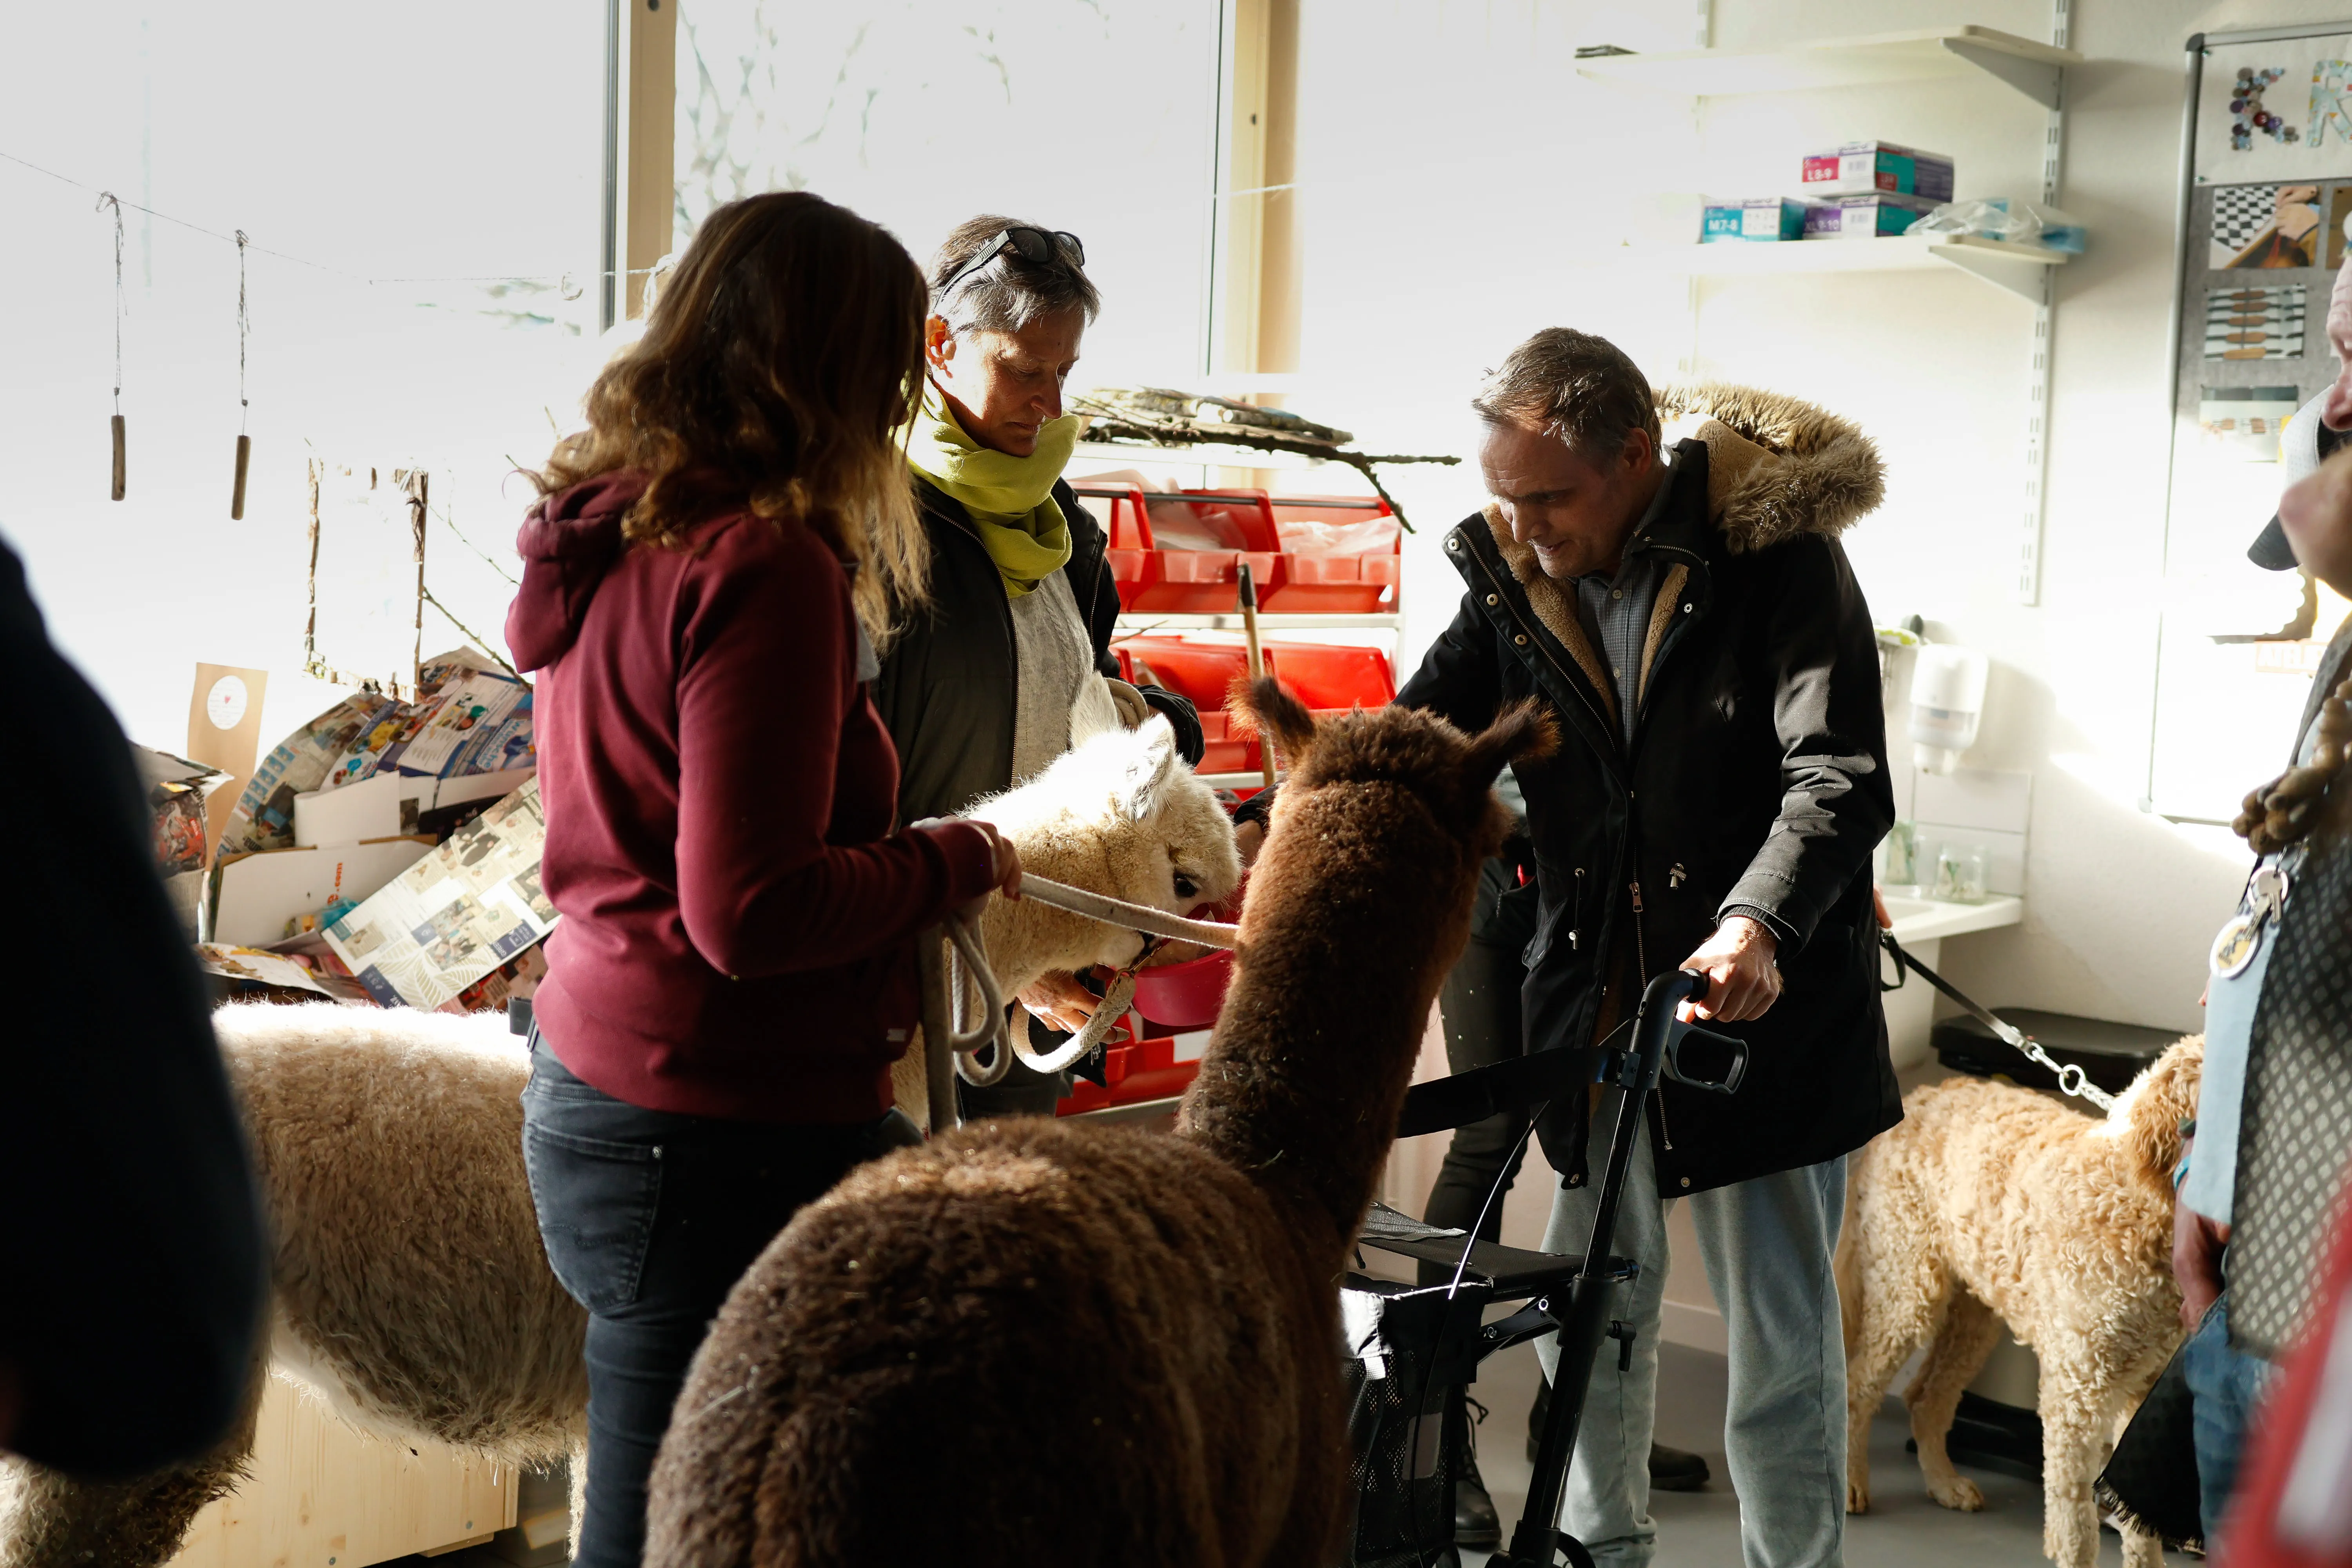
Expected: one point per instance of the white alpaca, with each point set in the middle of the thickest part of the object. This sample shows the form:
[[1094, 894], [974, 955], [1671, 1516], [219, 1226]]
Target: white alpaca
[[410, 1289]]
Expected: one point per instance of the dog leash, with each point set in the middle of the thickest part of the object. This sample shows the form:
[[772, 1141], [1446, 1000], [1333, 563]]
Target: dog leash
[[2072, 1079]]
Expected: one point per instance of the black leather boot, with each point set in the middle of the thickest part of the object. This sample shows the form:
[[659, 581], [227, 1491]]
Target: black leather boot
[[1671, 1470], [1475, 1522]]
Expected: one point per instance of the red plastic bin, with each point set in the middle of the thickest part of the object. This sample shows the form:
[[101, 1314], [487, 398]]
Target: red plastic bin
[[1145, 1070], [1333, 585], [1328, 678]]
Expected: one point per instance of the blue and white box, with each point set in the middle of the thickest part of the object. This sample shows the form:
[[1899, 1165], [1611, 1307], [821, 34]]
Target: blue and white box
[[1759, 217]]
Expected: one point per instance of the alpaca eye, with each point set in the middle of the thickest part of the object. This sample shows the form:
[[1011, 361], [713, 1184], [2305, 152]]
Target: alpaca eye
[[1185, 886]]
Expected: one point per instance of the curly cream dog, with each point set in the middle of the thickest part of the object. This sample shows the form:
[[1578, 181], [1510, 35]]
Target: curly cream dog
[[1992, 1204]]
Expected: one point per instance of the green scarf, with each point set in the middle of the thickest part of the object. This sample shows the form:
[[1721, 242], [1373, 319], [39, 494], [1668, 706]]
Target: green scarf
[[1009, 500]]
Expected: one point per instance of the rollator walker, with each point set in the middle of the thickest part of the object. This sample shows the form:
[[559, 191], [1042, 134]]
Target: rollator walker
[[1413, 1349]]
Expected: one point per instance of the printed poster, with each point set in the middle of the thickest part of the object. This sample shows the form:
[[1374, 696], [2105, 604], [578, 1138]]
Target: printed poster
[[2254, 323], [2266, 227]]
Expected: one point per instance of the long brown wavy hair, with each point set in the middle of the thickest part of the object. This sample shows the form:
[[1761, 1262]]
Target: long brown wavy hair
[[773, 376]]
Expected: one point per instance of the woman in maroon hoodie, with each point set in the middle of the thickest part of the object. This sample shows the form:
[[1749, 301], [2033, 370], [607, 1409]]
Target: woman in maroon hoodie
[[734, 973]]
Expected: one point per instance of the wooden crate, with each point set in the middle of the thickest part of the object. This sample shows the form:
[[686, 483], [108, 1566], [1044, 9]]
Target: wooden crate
[[323, 1496]]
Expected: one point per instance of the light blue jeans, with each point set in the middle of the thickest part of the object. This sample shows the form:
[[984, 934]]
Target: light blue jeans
[[2224, 1386], [1767, 1245]]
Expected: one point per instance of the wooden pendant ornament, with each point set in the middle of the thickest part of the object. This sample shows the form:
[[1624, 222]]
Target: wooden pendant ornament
[[244, 442], [121, 469]]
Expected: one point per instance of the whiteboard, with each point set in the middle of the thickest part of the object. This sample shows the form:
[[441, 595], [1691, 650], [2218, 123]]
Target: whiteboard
[[2266, 204]]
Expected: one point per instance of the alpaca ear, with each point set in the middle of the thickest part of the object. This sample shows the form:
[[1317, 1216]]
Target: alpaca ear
[[1144, 784], [1278, 714], [1520, 732]]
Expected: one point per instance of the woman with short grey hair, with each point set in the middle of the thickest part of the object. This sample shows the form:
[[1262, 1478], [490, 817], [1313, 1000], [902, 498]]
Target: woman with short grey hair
[[1007, 667]]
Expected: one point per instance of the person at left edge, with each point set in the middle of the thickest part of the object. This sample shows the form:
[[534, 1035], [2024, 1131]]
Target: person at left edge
[[705, 580]]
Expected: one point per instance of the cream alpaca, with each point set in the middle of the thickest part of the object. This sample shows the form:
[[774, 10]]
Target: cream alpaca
[[411, 1290], [1992, 1204], [1121, 815]]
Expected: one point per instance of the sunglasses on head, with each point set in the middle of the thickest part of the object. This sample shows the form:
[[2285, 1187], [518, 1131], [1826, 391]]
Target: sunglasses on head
[[1032, 245]]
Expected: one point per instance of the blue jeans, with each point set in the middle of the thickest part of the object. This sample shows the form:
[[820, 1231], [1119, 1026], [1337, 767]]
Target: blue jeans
[[1767, 1245], [2224, 1386], [649, 1218]]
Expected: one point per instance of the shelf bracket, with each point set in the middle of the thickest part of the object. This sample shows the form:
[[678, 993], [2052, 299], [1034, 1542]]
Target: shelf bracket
[[2025, 280], [2037, 79]]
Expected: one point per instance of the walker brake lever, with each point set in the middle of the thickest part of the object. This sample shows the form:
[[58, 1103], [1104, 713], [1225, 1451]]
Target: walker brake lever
[[1732, 1056], [1722, 1052]]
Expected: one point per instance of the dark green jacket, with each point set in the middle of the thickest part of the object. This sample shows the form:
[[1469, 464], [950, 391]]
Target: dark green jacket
[[1756, 779], [949, 686]]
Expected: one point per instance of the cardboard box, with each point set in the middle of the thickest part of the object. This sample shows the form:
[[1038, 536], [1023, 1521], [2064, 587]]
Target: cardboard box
[[1858, 168], [390, 804], [255, 895], [1756, 218], [1865, 217]]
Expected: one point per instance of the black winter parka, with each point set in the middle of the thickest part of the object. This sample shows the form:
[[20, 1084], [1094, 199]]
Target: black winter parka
[[948, 691], [1757, 778]]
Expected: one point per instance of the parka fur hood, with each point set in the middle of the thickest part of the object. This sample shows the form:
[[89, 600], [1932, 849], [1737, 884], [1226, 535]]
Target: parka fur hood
[[1777, 467]]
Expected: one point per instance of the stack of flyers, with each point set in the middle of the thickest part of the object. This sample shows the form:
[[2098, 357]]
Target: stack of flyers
[[264, 816], [458, 913]]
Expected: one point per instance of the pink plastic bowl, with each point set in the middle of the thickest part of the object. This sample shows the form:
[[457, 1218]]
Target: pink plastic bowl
[[1184, 995]]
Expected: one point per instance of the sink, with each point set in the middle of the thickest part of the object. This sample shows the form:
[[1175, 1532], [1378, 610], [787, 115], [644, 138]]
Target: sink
[[1930, 920]]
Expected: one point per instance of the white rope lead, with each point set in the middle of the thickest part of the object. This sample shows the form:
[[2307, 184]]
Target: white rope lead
[[1133, 917]]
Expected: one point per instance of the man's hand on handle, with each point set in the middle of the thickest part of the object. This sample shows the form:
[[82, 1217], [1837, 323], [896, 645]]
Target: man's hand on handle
[[1743, 978]]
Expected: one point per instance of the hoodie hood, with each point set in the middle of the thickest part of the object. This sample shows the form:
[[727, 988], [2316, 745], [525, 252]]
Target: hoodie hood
[[569, 541], [1776, 466]]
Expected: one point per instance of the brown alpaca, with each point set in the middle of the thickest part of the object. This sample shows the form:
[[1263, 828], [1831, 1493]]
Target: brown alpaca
[[1033, 1344], [1992, 1204]]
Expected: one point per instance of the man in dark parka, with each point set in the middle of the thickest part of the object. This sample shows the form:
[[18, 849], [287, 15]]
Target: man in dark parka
[[1686, 612]]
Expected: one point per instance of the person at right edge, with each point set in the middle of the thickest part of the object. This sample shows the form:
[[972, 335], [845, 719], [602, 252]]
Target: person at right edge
[[2261, 1170], [1689, 615]]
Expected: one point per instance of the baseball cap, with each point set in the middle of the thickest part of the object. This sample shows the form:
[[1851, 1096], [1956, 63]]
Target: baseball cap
[[2306, 444]]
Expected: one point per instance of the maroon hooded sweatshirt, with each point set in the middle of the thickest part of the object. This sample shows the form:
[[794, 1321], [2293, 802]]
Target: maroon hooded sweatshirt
[[739, 919]]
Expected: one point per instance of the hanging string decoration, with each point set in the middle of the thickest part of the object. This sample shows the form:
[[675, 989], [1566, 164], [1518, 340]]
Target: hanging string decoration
[[107, 199], [244, 442]]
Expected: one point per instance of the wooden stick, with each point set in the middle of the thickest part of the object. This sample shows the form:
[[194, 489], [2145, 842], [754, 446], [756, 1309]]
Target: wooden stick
[[237, 496], [1256, 664], [121, 466]]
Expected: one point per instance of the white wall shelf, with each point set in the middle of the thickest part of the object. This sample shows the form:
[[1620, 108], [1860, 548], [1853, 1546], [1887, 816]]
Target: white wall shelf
[[2019, 269], [1924, 55]]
